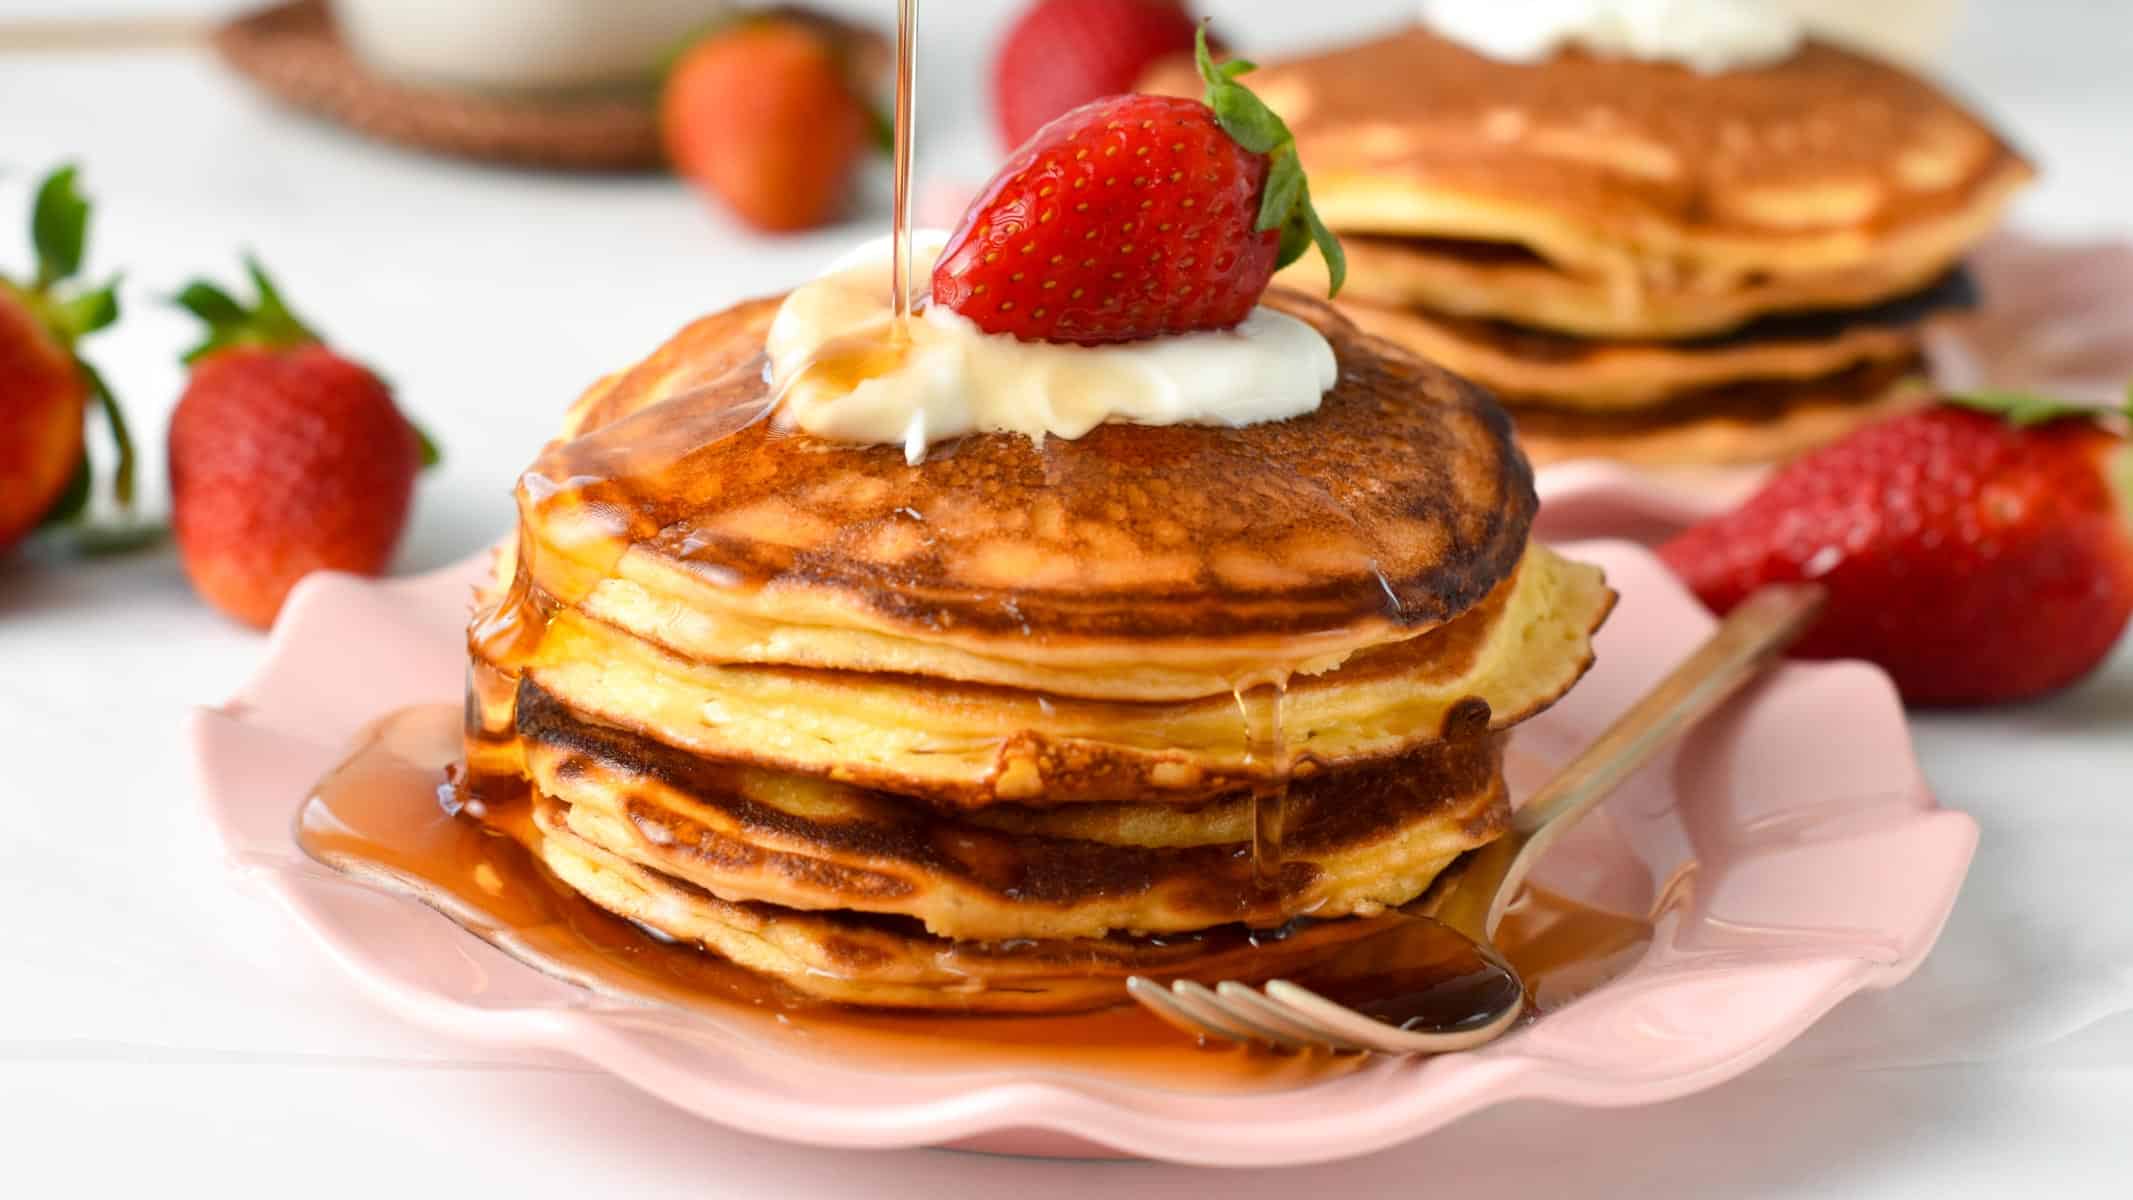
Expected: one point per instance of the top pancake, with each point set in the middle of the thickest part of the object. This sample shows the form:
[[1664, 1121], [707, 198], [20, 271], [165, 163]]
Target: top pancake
[[1825, 163], [1397, 506]]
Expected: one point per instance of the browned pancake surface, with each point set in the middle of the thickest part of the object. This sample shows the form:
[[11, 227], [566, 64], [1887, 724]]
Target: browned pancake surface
[[1824, 140], [1403, 499]]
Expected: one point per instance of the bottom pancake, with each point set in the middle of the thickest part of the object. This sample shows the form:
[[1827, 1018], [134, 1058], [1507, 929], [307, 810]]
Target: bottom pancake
[[1744, 425], [887, 962]]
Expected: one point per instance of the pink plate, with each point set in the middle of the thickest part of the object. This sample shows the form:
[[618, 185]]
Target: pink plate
[[1815, 864]]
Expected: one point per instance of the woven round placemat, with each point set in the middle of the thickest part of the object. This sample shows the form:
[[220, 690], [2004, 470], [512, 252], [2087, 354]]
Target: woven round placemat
[[295, 53]]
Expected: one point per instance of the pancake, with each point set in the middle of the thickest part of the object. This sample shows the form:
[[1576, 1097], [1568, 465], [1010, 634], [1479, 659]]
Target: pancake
[[1499, 281], [1744, 425], [1825, 170], [863, 960], [1136, 562], [1357, 840], [1528, 368], [969, 745]]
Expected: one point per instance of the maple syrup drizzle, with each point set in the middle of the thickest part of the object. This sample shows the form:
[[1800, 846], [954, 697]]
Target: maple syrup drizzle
[[906, 112], [1268, 757], [842, 363]]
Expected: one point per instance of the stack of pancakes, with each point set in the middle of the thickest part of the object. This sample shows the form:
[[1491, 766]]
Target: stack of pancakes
[[1644, 261], [993, 732]]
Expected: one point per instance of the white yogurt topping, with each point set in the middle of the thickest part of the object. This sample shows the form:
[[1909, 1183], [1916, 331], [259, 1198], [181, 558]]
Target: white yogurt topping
[[1709, 35], [958, 379]]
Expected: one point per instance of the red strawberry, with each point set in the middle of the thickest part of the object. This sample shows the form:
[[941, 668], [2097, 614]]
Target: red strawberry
[[1061, 54], [285, 458], [45, 386], [1135, 217], [765, 116], [1978, 556]]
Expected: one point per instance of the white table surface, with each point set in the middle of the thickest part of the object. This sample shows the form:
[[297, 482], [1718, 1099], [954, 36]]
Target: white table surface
[[159, 1025]]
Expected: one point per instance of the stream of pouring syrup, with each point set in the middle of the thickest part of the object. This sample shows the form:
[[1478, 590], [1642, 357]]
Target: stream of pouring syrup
[[844, 362], [906, 117]]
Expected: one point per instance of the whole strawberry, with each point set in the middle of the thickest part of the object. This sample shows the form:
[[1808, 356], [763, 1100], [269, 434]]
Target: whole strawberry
[[285, 458], [46, 387], [1134, 217], [1979, 553], [764, 115], [1061, 54]]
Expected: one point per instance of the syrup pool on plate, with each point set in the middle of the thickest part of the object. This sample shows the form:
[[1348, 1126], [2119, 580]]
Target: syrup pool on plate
[[390, 815]]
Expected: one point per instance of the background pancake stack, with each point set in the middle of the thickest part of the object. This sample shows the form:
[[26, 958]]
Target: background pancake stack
[[1644, 261], [990, 732]]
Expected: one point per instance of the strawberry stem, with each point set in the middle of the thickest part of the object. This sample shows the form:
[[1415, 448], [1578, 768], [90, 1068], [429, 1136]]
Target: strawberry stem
[[121, 437], [59, 231], [1285, 201]]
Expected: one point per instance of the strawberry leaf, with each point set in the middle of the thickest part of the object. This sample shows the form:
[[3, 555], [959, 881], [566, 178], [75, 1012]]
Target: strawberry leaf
[[81, 315], [431, 455], [59, 227], [209, 303], [268, 324], [1329, 247], [273, 312], [1285, 201], [1284, 186], [2024, 409]]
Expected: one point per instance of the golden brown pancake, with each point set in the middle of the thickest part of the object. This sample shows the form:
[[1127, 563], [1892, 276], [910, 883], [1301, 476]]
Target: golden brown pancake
[[887, 962], [1152, 562], [1527, 368], [1500, 281], [1823, 169], [1743, 425], [972, 745]]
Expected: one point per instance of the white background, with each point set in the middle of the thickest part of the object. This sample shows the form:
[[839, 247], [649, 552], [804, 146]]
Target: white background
[[160, 1027]]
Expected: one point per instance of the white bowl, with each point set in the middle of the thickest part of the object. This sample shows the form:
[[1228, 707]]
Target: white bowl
[[543, 45]]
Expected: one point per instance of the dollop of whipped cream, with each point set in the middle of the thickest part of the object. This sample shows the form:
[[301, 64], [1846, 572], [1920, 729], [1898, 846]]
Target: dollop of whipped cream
[[956, 379], [1708, 35]]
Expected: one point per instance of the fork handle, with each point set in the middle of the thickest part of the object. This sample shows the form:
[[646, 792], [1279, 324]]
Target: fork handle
[[1756, 632]]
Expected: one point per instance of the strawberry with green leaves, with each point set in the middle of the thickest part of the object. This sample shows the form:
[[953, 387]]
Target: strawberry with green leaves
[[1979, 550], [285, 456], [46, 387], [1137, 216]]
